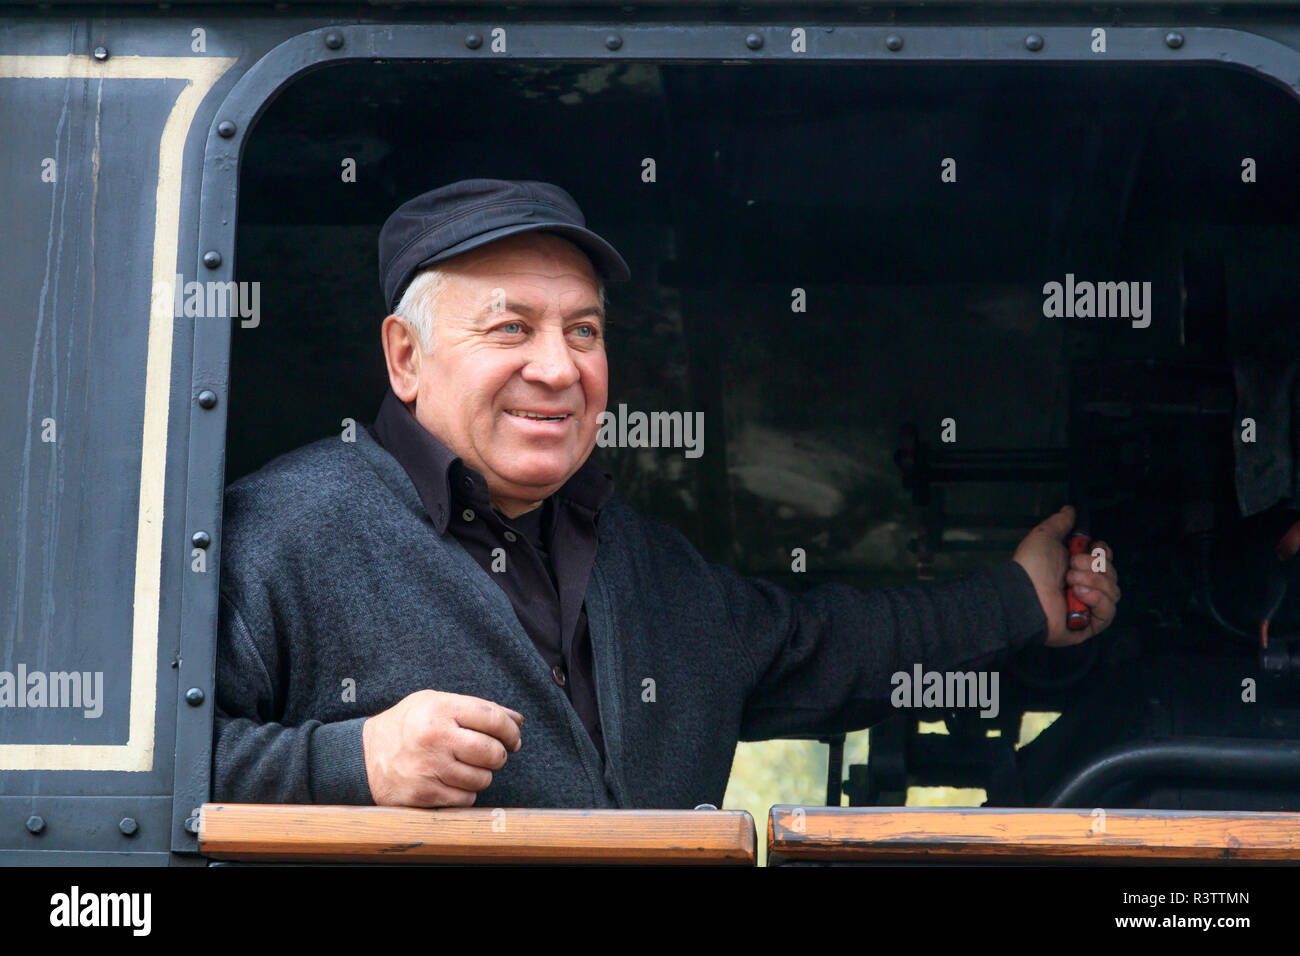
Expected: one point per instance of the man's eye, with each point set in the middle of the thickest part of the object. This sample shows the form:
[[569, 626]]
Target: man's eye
[[586, 331], [512, 328]]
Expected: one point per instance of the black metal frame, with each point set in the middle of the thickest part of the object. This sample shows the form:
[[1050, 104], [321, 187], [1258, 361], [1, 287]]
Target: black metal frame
[[233, 121]]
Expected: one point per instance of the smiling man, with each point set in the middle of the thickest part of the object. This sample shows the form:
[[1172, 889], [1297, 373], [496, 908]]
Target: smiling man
[[457, 608]]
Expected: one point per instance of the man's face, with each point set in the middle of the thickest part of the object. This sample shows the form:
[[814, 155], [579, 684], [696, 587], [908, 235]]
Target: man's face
[[518, 333]]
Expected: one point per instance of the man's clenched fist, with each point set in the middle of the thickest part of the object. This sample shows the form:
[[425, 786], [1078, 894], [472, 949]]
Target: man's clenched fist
[[1047, 561], [432, 749]]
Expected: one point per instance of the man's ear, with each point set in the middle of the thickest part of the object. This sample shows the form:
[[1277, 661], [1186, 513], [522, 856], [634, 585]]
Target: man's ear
[[403, 356]]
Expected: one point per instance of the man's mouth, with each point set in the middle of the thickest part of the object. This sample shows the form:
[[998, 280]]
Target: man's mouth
[[538, 416]]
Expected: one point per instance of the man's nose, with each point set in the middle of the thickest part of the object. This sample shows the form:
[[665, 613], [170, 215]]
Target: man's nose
[[550, 361]]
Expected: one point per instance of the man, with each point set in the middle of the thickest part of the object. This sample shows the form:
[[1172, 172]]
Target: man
[[456, 608]]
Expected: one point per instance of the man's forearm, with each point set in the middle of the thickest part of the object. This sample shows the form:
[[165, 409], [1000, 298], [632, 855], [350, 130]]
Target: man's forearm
[[836, 646]]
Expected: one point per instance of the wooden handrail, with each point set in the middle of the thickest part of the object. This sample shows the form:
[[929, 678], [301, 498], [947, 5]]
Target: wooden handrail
[[292, 832], [971, 835]]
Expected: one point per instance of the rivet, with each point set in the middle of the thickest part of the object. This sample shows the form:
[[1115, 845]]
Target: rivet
[[35, 824], [1033, 42], [101, 53], [207, 398], [212, 258], [894, 42], [194, 697], [1173, 40], [334, 40], [473, 41], [128, 826], [613, 41], [226, 128], [201, 539], [754, 41]]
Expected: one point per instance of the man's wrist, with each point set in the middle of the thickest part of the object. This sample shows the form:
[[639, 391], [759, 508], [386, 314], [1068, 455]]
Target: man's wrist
[[1026, 624], [337, 763]]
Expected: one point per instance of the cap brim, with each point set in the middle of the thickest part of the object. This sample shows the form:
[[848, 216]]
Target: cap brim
[[604, 256]]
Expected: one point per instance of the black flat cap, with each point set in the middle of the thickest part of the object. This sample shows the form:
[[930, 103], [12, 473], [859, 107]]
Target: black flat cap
[[464, 215]]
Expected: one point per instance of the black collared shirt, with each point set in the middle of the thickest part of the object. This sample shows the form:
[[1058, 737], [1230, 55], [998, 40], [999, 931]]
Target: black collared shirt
[[544, 557]]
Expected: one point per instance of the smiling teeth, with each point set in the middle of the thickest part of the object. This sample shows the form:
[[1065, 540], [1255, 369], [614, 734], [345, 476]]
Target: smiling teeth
[[544, 418]]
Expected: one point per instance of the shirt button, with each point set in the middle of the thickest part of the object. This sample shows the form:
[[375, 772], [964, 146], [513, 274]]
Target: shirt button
[[557, 672], [469, 482], [511, 536], [468, 514]]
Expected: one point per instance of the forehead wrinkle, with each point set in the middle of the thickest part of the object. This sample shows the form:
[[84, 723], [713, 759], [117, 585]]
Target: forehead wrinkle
[[549, 258]]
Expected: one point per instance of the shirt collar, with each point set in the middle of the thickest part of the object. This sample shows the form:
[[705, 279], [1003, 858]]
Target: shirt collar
[[441, 478]]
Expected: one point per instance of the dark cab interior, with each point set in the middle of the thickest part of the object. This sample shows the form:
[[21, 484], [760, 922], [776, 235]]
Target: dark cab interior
[[923, 300]]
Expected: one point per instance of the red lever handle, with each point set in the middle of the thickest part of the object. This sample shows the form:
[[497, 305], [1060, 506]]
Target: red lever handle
[[1079, 615]]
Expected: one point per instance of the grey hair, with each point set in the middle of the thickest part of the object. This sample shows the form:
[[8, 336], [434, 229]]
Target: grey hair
[[417, 307]]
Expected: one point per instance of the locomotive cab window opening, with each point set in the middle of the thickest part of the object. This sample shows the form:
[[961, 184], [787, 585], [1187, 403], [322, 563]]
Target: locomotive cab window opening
[[1080, 275]]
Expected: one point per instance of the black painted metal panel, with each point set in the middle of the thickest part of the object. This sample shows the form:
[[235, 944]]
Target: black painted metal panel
[[82, 255], [126, 824]]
